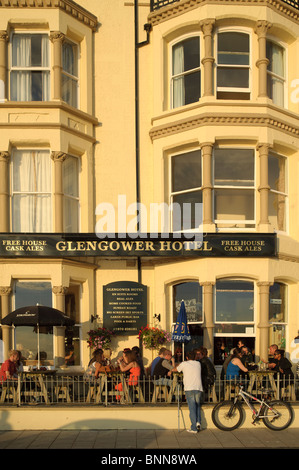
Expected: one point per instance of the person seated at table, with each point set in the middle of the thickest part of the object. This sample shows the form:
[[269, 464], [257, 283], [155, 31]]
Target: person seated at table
[[70, 357], [283, 366], [8, 369], [272, 361], [247, 357], [136, 350], [128, 363], [100, 364], [235, 366], [163, 369], [155, 361]]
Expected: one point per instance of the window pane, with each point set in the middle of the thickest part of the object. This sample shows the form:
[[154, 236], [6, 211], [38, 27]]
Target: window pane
[[70, 91], [233, 204], [36, 50], [70, 176], [186, 55], [276, 173], [187, 211], [31, 191], [234, 301], [275, 55], [233, 42], [31, 171], [277, 307], [277, 210], [278, 336], [186, 86], [32, 293], [234, 167], [233, 48], [230, 77], [71, 215], [186, 171], [70, 58], [191, 293]]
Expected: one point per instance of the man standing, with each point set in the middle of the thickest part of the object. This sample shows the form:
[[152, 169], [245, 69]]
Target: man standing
[[193, 389]]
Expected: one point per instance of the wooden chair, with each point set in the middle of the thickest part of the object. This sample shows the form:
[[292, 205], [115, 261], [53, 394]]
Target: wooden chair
[[160, 392]]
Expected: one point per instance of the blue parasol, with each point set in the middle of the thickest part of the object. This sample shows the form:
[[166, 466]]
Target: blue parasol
[[181, 332]]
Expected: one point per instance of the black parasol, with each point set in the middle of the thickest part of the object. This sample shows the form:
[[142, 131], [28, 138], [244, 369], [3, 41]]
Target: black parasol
[[37, 315]]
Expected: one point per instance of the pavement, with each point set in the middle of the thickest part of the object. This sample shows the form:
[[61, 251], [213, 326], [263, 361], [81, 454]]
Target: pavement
[[154, 441]]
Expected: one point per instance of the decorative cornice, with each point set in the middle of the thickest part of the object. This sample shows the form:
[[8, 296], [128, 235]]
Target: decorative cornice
[[176, 9], [68, 6], [209, 119]]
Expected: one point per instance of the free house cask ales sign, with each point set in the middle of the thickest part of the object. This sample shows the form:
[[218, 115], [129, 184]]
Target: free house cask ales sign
[[125, 307], [86, 244]]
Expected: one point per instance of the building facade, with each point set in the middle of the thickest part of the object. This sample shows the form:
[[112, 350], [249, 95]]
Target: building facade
[[189, 104]]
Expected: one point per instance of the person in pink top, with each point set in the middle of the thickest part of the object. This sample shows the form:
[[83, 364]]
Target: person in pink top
[[129, 364]]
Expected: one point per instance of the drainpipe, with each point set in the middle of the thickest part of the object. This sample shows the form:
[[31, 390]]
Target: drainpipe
[[147, 28]]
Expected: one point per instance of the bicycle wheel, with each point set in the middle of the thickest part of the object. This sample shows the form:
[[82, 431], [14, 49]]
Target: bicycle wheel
[[279, 416], [227, 415]]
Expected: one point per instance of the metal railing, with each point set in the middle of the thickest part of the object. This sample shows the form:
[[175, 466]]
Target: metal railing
[[115, 389], [157, 4]]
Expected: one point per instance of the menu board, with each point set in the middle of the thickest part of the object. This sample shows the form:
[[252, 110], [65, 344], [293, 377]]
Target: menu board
[[125, 307]]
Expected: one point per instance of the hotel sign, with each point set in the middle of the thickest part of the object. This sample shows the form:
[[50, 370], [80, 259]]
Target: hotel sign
[[86, 244], [125, 307]]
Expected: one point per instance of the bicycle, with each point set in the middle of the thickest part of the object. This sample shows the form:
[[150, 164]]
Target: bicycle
[[228, 415]]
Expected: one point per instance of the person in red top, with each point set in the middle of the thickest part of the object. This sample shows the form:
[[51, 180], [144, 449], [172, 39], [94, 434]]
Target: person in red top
[[8, 369]]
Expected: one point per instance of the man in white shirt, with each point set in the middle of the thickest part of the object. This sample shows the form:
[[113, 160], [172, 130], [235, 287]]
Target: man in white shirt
[[193, 389]]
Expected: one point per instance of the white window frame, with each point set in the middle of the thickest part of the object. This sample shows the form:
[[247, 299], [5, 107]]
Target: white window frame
[[70, 76], [172, 77], [249, 66], [13, 192], [32, 68], [237, 222], [185, 191]]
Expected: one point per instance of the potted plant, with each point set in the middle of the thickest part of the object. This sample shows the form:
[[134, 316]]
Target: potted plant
[[153, 338], [100, 338]]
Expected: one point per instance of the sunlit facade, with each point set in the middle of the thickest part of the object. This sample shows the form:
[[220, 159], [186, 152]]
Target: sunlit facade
[[182, 103]]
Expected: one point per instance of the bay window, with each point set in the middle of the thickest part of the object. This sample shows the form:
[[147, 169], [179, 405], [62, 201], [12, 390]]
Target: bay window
[[186, 74], [30, 67], [234, 198], [31, 191], [233, 65], [186, 192], [275, 72], [70, 76]]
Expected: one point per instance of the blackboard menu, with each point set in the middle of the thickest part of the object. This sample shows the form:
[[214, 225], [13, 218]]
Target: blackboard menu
[[125, 307]]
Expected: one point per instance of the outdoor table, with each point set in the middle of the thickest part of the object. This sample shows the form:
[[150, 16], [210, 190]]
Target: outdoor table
[[38, 376], [257, 377], [99, 387]]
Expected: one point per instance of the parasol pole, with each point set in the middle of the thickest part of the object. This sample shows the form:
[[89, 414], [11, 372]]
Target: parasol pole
[[38, 358]]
